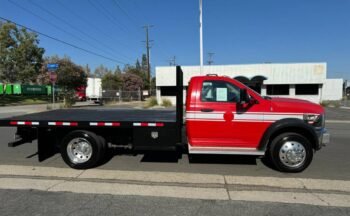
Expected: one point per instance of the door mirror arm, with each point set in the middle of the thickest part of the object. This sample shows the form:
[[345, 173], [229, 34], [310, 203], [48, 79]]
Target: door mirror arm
[[244, 97]]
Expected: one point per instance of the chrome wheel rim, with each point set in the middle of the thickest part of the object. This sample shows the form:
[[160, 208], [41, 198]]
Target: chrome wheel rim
[[292, 154], [79, 150]]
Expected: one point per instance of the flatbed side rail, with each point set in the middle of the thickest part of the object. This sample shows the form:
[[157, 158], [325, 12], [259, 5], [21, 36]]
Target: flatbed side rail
[[85, 124]]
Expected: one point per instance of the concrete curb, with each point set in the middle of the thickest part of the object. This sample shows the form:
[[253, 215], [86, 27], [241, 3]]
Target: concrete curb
[[319, 192]]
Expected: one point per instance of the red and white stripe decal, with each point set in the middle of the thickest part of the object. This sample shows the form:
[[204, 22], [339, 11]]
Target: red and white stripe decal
[[146, 124], [241, 117], [23, 123], [105, 124], [63, 123]]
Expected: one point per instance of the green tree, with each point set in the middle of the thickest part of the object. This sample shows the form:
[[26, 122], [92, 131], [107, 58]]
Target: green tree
[[144, 65], [117, 71], [111, 81], [20, 56], [131, 82], [87, 70], [138, 65], [69, 77], [101, 70], [144, 69]]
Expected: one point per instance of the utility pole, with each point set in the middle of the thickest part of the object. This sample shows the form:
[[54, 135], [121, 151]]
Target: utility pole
[[146, 27], [200, 37], [210, 58], [172, 62]]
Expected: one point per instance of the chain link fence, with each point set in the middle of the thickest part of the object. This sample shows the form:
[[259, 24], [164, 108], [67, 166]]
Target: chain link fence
[[126, 96]]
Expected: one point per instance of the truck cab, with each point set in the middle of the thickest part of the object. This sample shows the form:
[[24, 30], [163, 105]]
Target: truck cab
[[223, 116]]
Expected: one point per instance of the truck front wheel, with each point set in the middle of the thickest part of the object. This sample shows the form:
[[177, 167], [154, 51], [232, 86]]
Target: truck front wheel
[[82, 149], [290, 152]]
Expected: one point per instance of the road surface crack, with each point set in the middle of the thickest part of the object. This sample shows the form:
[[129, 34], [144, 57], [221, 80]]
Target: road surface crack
[[312, 193], [227, 189], [65, 181]]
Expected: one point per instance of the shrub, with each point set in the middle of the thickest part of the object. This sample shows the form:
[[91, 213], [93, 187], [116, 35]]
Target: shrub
[[152, 101], [166, 103], [331, 103]]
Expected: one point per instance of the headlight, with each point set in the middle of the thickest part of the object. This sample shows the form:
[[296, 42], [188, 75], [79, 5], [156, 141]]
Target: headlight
[[316, 120]]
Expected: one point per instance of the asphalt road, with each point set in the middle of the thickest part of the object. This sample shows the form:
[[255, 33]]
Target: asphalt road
[[18, 202]]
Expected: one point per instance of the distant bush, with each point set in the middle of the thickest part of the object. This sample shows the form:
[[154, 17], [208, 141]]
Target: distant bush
[[331, 103], [166, 103], [152, 101]]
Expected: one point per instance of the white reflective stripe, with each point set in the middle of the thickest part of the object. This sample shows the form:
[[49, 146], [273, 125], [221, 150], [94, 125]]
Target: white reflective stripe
[[152, 125], [108, 124], [278, 117], [136, 124], [242, 117], [35, 123], [218, 116], [93, 123], [249, 116], [216, 112], [21, 123], [66, 123], [52, 123], [190, 115], [211, 120], [209, 116], [249, 120]]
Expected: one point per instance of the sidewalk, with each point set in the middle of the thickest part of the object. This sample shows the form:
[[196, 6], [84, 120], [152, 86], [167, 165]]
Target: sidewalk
[[318, 192], [23, 108]]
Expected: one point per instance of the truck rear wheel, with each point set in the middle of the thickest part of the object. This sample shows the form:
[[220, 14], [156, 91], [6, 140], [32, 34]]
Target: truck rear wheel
[[82, 149], [290, 152]]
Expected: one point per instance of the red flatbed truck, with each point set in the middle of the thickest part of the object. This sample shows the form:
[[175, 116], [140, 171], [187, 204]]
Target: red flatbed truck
[[223, 116]]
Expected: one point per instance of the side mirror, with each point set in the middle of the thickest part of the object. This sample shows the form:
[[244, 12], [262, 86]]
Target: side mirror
[[244, 96]]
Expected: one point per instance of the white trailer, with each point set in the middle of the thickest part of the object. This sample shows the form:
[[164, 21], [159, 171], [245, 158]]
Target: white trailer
[[94, 90]]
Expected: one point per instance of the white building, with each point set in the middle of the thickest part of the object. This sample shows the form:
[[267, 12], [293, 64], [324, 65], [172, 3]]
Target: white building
[[297, 80]]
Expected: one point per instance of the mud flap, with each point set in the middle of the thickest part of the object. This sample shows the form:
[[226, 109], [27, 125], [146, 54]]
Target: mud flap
[[46, 143]]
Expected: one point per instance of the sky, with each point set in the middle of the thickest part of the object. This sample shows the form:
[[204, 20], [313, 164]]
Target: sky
[[236, 31]]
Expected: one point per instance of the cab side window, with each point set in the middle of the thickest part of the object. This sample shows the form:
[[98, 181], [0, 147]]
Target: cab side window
[[219, 91]]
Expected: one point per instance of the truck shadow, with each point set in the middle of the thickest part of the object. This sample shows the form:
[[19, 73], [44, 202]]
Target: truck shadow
[[175, 156], [222, 159]]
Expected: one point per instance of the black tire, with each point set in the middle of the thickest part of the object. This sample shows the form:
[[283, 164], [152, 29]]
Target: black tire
[[276, 158], [97, 145]]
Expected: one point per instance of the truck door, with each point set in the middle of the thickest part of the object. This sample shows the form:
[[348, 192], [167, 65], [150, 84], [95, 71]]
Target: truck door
[[211, 123]]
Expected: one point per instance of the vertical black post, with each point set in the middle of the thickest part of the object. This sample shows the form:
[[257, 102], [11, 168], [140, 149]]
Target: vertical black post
[[179, 102]]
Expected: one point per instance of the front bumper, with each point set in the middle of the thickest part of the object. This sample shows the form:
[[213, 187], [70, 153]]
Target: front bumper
[[324, 137]]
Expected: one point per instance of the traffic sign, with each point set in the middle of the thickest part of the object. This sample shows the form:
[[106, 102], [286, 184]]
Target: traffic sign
[[53, 77], [52, 67]]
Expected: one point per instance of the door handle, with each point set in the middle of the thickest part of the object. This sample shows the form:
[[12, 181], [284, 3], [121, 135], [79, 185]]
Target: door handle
[[207, 110]]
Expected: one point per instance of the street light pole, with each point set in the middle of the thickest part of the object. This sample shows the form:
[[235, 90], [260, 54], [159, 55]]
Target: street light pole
[[200, 37]]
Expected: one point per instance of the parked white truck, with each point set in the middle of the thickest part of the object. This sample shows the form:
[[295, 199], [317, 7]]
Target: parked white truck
[[94, 90]]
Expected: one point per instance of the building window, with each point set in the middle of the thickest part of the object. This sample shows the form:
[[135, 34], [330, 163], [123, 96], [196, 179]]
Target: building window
[[168, 90], [277, 89], [306, 89], [219, 91]]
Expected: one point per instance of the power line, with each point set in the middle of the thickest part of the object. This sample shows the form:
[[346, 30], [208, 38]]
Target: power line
[[64, 42], [210, 58], [56, 26], [89, 23], [125, 12], [104, 11], [77, 29], [172, 61]]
